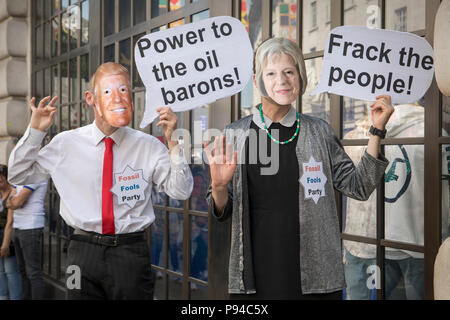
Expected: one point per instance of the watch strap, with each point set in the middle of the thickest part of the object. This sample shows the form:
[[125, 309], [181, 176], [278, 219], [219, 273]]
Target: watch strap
[[377, 132]]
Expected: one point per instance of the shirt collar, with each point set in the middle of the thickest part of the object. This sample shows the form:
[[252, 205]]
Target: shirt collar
[[98, 135], [287, 121]]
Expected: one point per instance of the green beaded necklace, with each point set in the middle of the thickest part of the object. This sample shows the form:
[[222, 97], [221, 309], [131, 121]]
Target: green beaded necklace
[[270, 136]]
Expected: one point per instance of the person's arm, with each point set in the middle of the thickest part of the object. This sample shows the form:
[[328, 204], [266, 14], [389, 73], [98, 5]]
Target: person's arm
[[358, 182], [382, 110], [222, 164], [4, 249], [172, 174], [29, 164], [18, 201]]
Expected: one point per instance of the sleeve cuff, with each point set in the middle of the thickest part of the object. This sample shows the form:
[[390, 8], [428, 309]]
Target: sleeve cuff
[[35, 136], [177, 159]]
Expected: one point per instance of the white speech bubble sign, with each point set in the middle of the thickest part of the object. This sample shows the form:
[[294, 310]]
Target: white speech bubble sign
[[193, 65], [362, 63]]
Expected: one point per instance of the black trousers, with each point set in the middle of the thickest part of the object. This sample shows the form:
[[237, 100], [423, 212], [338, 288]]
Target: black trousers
[[114, 273]]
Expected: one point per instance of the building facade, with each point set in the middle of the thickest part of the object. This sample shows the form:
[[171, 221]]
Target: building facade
[[52, 47]]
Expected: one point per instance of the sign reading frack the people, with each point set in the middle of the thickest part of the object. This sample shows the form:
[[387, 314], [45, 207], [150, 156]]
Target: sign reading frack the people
[[363, 63], [193, 65]]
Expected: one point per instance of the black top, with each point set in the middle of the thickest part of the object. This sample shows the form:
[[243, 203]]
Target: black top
[[274, 217], [3, 212]]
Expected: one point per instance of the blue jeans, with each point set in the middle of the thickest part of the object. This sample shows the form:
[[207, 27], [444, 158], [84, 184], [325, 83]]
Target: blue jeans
[[28, 252], [10, 282], [411, 270]]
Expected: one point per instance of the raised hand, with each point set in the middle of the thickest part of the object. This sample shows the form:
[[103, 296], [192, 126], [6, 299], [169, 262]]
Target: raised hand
[[222, 163], [382, 110], [168, 122], [42, 116]]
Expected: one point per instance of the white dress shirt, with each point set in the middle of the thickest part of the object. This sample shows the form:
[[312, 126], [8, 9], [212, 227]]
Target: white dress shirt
[[32, 214], [74, 160]]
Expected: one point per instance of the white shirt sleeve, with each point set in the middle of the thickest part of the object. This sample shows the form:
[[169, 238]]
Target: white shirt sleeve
[[172, 174], [28, 163]]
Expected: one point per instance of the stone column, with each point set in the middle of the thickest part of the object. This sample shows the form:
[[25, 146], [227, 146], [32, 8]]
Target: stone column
[[14, 74]]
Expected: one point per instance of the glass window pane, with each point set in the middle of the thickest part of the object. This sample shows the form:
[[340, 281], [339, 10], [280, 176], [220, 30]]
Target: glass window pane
[[47, 9], [405, 15], [47, 82], [64, 82], [74, 116], [445, 191], [362, 275], [158, 197], [318, 105], [109, 54], [159, 7], [39, 36], [174, 203], [54, 79], [284, 19], [157, 239], [73, 80], [359, 217], [65, 3], [64, 118], [108, 17], [175, 242], [201, 178], [362, 13], [64, 35], [55, 36], [407, 121], [87, 114], [137, 82], [403, 276], [38, 8], [125, 54], [39, 85], [124, 14], [176, 4], [139, 108], [48, 40], [200, 123], [404, 189], [200, 16], [175, 288], [251, 17], [176, 23], [84, 75], [199, 247], [85, 22], [316, 24], [355, 118], [140, 8], [71, 21], [56, 6], [159, 284], [445, 116], [199, 292]]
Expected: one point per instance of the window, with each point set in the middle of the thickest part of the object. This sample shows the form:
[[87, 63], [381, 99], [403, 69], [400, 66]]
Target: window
[[314, 15], [400, 23]]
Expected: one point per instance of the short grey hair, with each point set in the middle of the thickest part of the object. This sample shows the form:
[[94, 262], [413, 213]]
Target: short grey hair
[[274, 46]]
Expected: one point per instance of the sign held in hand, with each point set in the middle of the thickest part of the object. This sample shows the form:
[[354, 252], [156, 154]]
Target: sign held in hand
[[363, 63], [193, 65]]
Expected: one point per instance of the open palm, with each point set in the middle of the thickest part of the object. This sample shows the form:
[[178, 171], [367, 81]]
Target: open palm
[[42, 116], [222, 162]]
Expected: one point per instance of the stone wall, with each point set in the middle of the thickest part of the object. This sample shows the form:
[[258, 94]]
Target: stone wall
[[14, 82]]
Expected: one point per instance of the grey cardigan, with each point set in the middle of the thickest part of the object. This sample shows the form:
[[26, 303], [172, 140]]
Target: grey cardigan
[[321, 266]]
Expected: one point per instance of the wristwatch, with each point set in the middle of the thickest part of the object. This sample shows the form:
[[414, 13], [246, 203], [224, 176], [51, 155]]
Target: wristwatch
[[377, 132]]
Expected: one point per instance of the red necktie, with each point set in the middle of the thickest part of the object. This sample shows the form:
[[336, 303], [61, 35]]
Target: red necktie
[[107, 196]]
